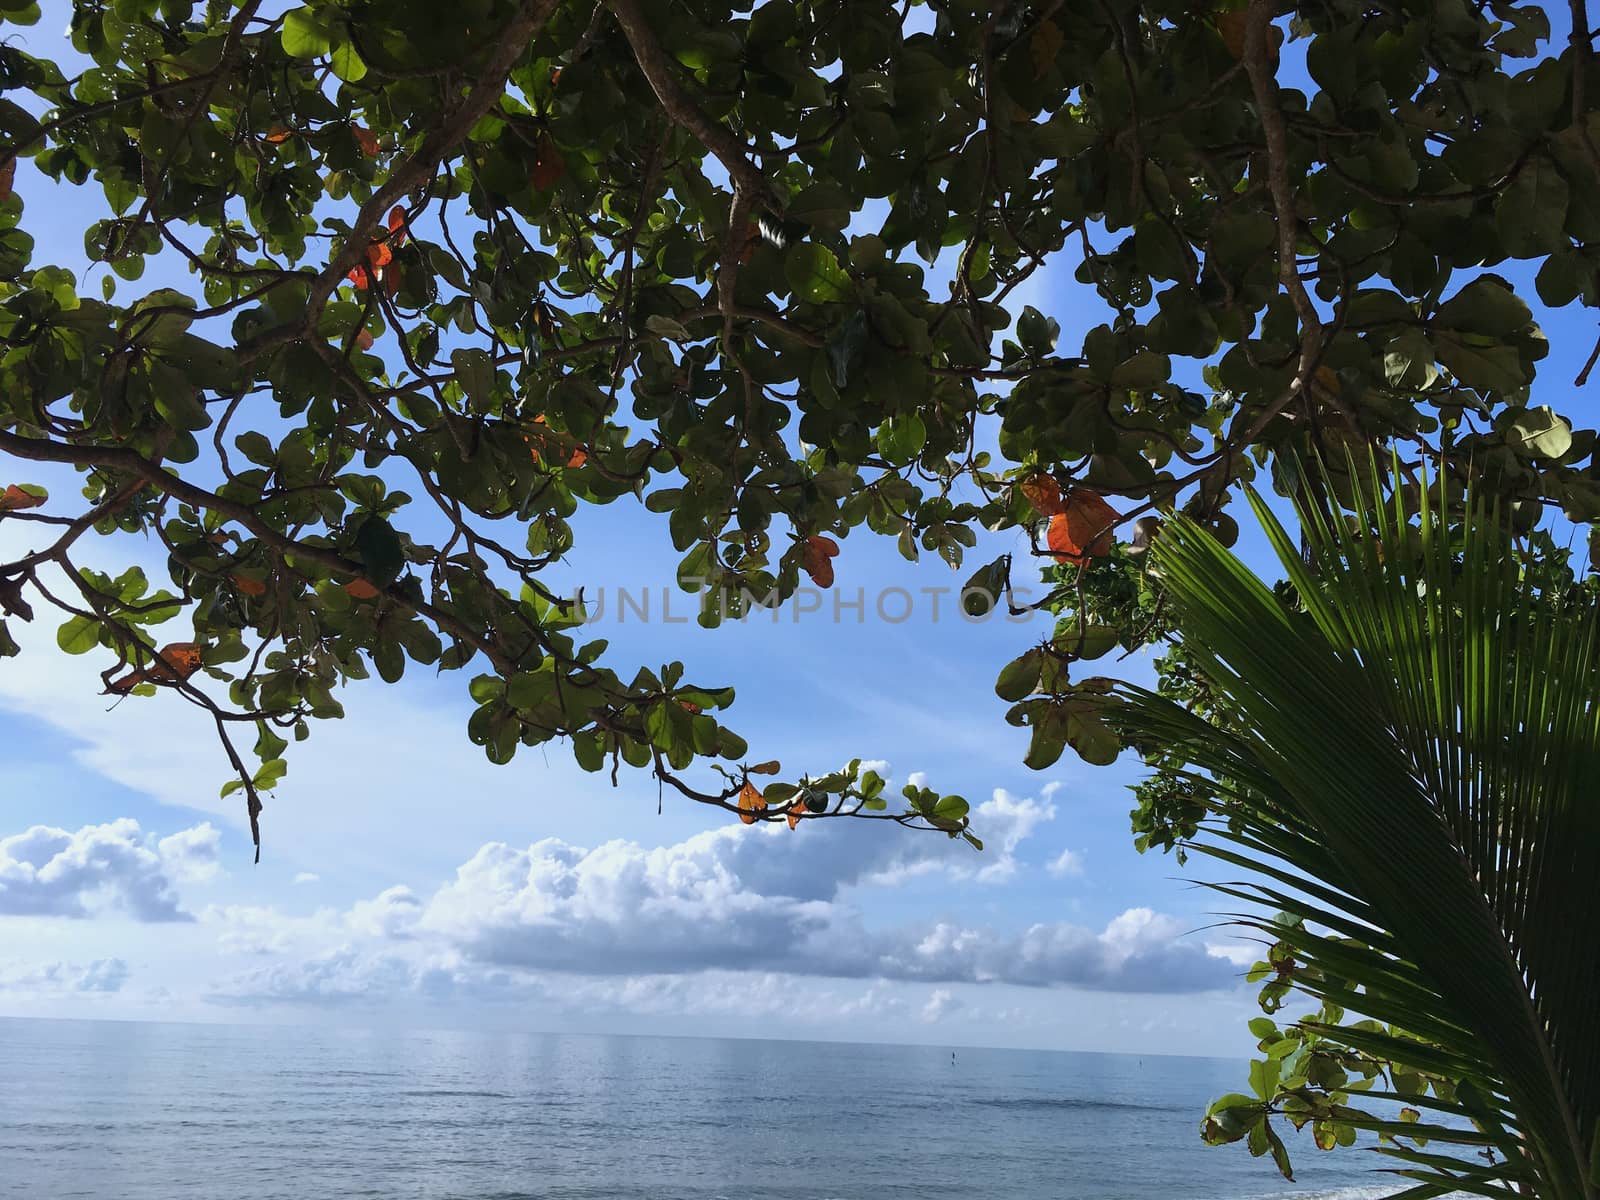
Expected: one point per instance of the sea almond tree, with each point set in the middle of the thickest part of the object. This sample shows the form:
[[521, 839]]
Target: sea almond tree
[[378, 296]]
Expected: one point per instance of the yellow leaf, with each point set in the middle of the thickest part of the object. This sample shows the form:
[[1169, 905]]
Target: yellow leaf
[[1043, 47]]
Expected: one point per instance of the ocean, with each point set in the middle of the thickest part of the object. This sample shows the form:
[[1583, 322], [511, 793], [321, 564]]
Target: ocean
[[163, 1112]]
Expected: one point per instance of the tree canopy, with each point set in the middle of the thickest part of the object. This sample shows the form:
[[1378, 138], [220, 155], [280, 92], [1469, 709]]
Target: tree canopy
[[450, 272]]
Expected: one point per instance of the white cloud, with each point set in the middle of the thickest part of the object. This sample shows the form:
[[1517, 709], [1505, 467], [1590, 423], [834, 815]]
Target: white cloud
[[939, 1006], [763, 899], [759, 902], [351, 976], [1241, 952], [101, 975], [1005, 822], [391, 914], [1138, 951], [46, 871], [307, 877], [342, 976], [1066, 865]]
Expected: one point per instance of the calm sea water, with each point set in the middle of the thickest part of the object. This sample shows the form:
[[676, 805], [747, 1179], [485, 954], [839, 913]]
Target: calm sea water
[[140, 1111]]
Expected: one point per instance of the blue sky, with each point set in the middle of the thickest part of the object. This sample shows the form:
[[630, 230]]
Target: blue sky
[[405, 881]]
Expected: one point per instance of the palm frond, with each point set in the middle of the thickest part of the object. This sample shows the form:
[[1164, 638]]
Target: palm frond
[[1413, 767]]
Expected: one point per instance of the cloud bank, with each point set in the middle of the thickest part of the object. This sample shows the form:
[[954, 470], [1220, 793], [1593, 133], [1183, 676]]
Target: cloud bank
[[757, 902], [553, 920], [112, 867]]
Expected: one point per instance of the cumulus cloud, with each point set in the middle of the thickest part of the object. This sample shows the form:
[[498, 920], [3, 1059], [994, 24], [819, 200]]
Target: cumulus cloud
[[101, 975], [766, 900], [307, 877], [257, 929], [392, 913], [53, 872], [647, 928]]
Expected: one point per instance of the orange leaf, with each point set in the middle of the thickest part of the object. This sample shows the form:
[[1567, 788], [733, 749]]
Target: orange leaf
[[379, 256], [548, 165], [277, 135], [794, 812], [366, 139], [178, 661], [1044, 493], [363, 340], [173, 664], [1083, 529], [360, 276], [398, 224], [123, 684], [14, 498], [360, 589], [1044, 46], [751, 802], [249, 586], [688, 706], [576, 459], [555, 77], [815, 556], [8, 177], [752, 239], [1231, 26]]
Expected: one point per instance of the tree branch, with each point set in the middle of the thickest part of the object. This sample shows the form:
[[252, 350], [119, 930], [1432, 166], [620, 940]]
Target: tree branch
[[662, 74], [1261, 69], [123, 459], [510, 46]]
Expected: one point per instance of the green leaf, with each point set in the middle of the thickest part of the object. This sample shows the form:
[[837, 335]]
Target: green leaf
[[845, 347], [1019, 678], [1486, 306], [982, 592], [306, 33], [382, 556], [475, 371], [1037, 333], [1049, 738], [347, 63], [1482, 364], [1539, 433], [902, 438], [1089, 643], [1531, 212], [815, 275], [78, 635]]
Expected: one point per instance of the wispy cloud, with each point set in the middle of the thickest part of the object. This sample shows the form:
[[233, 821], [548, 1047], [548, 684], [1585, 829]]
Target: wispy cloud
[[1066, 865], [100, 975]]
